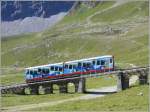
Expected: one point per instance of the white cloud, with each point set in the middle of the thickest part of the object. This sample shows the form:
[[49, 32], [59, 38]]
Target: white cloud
[[29, 24]]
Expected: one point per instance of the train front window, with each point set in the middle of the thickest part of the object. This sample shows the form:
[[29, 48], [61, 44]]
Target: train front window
[[27, 72]]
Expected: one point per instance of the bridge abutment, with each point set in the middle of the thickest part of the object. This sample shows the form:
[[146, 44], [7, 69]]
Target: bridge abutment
[[81, 85], [143, 77], [122, 82]]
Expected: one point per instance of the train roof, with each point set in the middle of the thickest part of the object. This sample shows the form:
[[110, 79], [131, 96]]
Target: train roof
[[45, 65], [68, 62], [87, 59]]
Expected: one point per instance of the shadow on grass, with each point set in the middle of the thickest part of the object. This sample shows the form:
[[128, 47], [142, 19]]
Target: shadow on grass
[[94, 92]]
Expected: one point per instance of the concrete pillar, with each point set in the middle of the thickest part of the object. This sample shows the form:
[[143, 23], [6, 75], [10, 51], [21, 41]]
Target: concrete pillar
[[80, 85], [119, 83], [143, 78], [122, 82], [34, 90], [76, 84], [148, 75], [63, 88], [48, 88]]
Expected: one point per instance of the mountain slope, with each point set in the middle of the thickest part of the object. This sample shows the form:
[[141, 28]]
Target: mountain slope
[[120, 30]]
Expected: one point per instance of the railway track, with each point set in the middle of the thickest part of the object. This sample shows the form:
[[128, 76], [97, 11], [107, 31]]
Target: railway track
[[20, 88]]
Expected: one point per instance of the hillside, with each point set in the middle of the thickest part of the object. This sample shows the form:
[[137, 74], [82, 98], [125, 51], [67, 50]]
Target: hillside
[[116, 28], [120, 29]]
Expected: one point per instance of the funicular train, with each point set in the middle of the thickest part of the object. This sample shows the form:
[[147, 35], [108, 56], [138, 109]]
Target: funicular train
[[70, 69]]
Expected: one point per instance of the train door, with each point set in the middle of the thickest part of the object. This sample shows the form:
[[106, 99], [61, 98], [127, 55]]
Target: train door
[[66, 69], [98, 64], [103, 64], [60, 69]]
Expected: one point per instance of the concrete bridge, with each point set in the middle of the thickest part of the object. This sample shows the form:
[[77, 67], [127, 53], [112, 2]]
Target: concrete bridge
[[123, 76]]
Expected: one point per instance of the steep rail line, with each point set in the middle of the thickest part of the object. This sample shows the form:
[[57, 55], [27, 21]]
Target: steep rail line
[[17, 88]]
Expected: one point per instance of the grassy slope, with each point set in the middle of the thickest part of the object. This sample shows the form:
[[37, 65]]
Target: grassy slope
[[128, 100], [65, 43], [69, 39], [128, 10], [8, 100]]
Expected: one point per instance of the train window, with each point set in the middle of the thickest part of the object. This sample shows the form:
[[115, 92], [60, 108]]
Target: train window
[[52, 68], [35, 72], [84, 64], [98, 62], [66, 66], [43, 71], [46, 71], [79, 64], [70, 66], [60, 69], [93, 62], [102, 62], [39, 70], [110, 60], [56, 68], [88, 64]]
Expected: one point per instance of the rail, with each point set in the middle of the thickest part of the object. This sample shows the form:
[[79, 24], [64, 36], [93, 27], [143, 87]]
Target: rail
[[24, 85]]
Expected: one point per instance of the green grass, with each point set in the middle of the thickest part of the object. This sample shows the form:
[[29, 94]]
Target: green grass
[[57, 45], [12, 79], [127, 100], [124, 11], [13, 100], [66, 41], [83, 12]]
